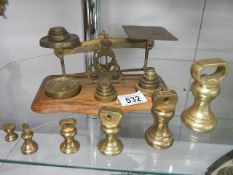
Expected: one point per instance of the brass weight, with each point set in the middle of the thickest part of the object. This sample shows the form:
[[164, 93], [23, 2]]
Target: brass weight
[[158, 135], [29, 146], [68, 131], [9, 128], [105, 91], [149, 83], [110, 118], [205, 88]]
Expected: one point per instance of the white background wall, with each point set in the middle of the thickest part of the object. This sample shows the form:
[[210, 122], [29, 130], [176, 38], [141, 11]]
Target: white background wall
[[203, 28]]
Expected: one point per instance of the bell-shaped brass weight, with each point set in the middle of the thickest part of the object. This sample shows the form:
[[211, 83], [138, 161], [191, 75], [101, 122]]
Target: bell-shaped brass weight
[[105, 92], [205, 88], [110, 118], [29, 146], [9, 128], [158, 135], [149, 83], [68, 131]]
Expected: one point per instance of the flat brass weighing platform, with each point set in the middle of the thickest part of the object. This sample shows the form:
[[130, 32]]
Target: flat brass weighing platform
[[85, 102]]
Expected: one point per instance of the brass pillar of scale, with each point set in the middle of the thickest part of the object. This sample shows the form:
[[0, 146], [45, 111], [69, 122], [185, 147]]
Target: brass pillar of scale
[[199, 117]]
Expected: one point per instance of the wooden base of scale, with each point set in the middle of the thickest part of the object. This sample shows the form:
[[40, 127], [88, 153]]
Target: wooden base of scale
[[84, 102]]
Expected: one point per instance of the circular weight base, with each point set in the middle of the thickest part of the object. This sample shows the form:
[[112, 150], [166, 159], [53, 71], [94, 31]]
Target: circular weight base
[[69, 148], [110, 149], [62, 88], [146, 92], [199, 124], [158, 142]]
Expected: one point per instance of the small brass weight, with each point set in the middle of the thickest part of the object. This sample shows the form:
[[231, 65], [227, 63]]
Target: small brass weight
[[158, 135], [9, 128], [68, 131], [110, 118], [29, 146], [205, 88]]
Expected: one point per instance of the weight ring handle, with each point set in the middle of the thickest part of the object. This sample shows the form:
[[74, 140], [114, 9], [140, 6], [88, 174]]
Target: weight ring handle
[[211, 79]]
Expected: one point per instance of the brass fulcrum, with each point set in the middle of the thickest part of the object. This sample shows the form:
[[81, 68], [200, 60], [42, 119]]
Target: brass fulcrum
[[158, 135], [68, 131], [29, 146], [205, 88], [9, 128], [149, 83], [110, 118]]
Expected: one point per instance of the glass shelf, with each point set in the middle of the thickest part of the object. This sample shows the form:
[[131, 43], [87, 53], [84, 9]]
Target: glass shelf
[[190, 154]]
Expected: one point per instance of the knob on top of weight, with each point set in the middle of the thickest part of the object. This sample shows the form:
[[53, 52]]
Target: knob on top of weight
[[212, 79]]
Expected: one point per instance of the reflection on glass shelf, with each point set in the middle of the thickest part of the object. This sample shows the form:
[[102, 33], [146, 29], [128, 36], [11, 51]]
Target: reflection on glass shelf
[[222, 134]]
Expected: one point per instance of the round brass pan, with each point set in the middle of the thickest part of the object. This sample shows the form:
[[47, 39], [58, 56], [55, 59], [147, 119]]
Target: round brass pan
[[62, 88]]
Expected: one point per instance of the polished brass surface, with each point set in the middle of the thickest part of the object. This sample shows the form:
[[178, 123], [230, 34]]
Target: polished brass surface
[[205, 88], [62, 87], [2, 7], [9, 128], [104, 71], [105, 92], [68, 131], [58, 37], [148, 33], [149, 83], [109, 68], [158, 135], [29, 146], [110, 119]]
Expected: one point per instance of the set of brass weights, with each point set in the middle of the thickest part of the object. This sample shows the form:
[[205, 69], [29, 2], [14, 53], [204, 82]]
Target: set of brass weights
[[106, 73], [29, 146]]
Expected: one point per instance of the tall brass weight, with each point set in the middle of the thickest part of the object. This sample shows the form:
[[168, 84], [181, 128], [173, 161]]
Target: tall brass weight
[[110, 118], [68, 131], [158, 135], [205, 88]]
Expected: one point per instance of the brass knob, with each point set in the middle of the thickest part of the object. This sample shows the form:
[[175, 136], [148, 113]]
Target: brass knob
[[158, 135], [29, 146], [9, 128], [68, 132], [110, 118], [205, 88], [149, 83]]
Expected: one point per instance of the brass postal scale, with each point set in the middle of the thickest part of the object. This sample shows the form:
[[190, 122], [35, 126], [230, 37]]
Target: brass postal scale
[[95, 91], [104, 79]]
